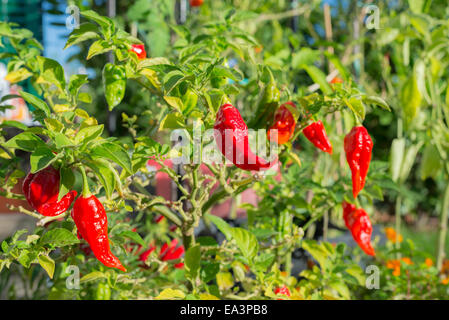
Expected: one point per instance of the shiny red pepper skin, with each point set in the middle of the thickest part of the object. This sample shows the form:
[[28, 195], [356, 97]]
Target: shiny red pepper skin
[[358, 146], [358, 222], [284, 123], [230, 127], [92, 224], [139, 49], [316, 134], [196, 3], [41, 189]]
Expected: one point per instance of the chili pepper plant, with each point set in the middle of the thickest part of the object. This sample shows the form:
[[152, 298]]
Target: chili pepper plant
[[101, 234]]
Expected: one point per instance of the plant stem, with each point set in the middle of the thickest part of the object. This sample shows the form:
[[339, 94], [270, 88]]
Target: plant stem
[[167, 213], [398, 223], [188, 239], [443, 229], [86, 191]]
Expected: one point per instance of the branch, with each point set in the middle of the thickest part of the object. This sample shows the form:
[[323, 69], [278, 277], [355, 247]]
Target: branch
[[282, 15]]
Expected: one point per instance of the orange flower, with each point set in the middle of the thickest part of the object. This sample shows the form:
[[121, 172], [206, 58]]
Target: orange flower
[[336, 80], [407, 260], [445, 281], [395, 265], [428, 262], [391, 235]]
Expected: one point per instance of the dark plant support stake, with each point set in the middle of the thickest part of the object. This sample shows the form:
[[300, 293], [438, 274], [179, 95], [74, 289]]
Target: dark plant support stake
[[112, 115]]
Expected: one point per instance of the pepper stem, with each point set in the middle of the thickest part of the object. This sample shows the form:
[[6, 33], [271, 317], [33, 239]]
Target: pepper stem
[[86, 191]]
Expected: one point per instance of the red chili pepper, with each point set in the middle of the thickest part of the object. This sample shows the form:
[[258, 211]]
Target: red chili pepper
[[196, 3], [284, 123], [231, 136], [41, 190], [172, 252], [358, 222], [282, 290], [167, 252], [139, 49], [358, 146], [316, 134], [144, 255], [92, 224]]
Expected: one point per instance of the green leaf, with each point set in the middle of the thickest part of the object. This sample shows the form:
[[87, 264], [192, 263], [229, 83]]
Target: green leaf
[[318, 252], [114, 82], [114, 152], [26, 141], [318, 77], [85, 97], [410, 99], [133, 236], [18, 75], [53, 125], [338, 65], [192, 262], [48, 264], [95, 275], [304, 57], [225, 280], [263, 261], [13, 123], [51, 72], [107, 25], [431, 162], [87, 134], [99, 47], [341, 288], [36, 102], [61, 140], [357, 273], [170, 294], [377, 101], [172, 121], [59, 237], [41, 158], [175, 102], [76, 82], [416, 5], [105, 175], [356, 106], [85, 32], [221, 225], [66, 181], [26, 257], [246, 241]]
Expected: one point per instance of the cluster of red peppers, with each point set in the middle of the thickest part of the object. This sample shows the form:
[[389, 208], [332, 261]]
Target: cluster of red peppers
[[282, 290], [357, 145], [168, 252], [41, 190], [285, 124]]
